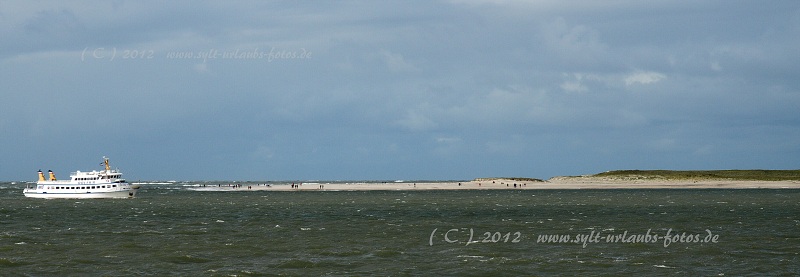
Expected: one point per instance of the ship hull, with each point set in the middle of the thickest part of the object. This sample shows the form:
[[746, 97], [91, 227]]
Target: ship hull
[[34, 193]]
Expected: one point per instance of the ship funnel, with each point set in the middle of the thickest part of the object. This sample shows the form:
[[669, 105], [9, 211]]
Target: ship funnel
[[41, 175], [106, 162], [52, 175]]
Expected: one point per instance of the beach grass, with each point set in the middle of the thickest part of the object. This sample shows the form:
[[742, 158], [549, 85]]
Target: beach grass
[[748, 175]]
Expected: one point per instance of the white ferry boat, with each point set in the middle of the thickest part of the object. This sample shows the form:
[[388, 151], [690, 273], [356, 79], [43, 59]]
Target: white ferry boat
[[96, 184]]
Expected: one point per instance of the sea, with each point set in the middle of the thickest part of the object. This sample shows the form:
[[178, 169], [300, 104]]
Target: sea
[[177, 229]]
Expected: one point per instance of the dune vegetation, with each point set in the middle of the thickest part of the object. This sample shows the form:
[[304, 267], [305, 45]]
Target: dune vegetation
[[748, 175]]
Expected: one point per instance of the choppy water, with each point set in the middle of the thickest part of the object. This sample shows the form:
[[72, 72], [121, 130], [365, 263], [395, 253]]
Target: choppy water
[[170, 230]]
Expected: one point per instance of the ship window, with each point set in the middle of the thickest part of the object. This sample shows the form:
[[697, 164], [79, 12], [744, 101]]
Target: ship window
[[115, 186]]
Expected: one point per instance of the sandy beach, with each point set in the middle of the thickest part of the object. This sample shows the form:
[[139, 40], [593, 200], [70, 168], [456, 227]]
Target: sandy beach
[[498, 184]]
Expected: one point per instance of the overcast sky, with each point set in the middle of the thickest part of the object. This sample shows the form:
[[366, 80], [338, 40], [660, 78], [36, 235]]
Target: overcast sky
[[356, 90]]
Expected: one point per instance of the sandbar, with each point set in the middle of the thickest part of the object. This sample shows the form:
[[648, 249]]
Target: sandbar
[[507, 184]]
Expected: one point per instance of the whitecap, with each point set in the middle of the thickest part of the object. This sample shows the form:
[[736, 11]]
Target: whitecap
[[469, 256]]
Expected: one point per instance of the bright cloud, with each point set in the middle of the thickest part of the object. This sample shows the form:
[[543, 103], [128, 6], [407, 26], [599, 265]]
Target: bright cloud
[[644, 78]]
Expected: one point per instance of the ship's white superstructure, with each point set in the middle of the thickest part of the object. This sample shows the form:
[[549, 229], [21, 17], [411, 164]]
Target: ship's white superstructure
[[107, 183]]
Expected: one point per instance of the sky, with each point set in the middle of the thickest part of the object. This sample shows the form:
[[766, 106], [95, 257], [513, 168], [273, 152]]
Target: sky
[[387, 90]]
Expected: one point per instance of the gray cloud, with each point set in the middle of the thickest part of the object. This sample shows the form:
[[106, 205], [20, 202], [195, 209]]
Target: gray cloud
[[405, 90]]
